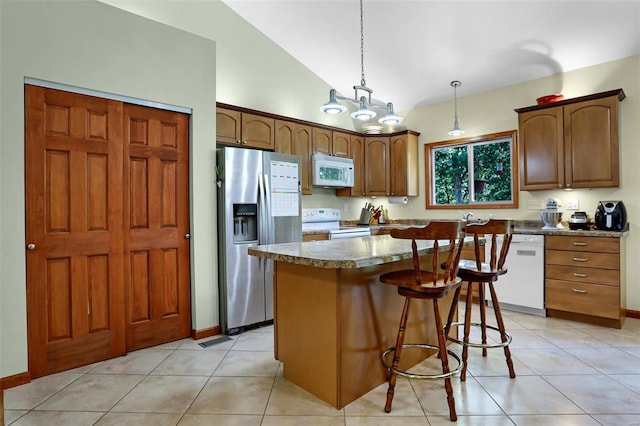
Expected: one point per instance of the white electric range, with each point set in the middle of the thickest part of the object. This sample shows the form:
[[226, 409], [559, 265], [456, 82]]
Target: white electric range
[[329, 220]]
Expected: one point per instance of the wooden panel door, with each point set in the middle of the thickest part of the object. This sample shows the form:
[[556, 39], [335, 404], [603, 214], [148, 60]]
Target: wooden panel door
[[376, 160], [156, 217], [74, 230], [541, 151]]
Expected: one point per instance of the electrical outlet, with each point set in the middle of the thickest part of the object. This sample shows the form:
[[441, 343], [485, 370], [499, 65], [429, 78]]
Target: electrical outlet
[[410, 207], [346, 207], [573, 204]]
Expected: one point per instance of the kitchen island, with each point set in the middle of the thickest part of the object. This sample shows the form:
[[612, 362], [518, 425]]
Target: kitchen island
[[333, 318]]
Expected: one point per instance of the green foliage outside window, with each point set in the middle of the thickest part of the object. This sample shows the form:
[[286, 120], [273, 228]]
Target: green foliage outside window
[[476, 172]]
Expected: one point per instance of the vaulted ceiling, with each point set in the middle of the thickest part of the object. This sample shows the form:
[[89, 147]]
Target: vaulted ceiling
[[413, 49]]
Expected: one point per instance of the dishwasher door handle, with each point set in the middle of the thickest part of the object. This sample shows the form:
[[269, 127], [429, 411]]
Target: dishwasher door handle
[[526, 252]]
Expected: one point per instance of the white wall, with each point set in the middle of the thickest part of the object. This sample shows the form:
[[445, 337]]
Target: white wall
[[93, 45], [252, 71]]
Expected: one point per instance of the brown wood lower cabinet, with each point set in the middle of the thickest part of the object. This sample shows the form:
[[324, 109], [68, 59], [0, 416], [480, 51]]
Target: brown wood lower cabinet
[[315, 237], [585, 280]]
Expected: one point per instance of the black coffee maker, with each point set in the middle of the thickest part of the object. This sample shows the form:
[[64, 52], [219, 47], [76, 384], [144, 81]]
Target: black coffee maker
[[611, 216]]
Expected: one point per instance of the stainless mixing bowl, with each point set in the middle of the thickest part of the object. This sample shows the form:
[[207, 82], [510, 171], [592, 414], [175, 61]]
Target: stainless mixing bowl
[[551, 219]]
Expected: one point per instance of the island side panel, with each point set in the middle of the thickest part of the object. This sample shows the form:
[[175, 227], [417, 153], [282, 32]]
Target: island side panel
[[369, 317], [332, 325], [307, 328]]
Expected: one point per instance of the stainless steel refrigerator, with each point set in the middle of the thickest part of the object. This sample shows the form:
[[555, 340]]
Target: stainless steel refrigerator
[[259, 202]]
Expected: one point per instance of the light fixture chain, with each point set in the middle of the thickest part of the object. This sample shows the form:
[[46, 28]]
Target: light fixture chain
[[362, 79], [455, 100]]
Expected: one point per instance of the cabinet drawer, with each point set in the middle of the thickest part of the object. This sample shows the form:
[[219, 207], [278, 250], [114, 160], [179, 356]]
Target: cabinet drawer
[[609, 277], [582, 259], [595, 244], [588, 299]]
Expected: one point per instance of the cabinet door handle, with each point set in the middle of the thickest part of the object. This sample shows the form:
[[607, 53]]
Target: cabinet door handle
[[575, 274], [580, 259], [577, 290], [579, 244]]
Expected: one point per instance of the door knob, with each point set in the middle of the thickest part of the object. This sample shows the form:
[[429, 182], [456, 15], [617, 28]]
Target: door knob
[[187, 236], [31, 246]]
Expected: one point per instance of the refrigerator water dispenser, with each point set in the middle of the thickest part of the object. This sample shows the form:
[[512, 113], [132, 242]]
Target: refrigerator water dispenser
[[245, 223]]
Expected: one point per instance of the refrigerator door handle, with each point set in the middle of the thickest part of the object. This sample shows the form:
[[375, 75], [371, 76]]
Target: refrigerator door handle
[[268, 220], [262, 223]]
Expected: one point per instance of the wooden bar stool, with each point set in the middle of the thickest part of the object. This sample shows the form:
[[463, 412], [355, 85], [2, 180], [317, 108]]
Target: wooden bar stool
[[479, 272], [422, 284]]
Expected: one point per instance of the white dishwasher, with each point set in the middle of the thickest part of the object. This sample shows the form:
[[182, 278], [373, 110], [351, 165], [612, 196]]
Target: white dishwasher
[[522, 287]]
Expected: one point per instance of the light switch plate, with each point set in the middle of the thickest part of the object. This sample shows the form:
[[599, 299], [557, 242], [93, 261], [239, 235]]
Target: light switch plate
[[573, 204]]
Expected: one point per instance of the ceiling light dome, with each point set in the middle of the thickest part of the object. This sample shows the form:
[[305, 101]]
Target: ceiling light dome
[[391, 118], [363, 113], [332, 107]]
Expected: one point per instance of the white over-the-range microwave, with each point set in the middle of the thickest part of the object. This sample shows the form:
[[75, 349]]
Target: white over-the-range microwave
[[329, 171]]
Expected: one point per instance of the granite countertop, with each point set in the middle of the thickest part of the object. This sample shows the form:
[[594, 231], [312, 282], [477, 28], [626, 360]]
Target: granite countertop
[[521, 227], [346, 253]]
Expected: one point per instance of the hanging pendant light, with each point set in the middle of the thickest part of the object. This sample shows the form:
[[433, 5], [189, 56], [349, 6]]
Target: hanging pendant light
[[391, 118], [332, 107], [456, 131], [363, 113], [364, 102]]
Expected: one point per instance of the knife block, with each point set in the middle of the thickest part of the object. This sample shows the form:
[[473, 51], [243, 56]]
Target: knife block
[[365, 216]]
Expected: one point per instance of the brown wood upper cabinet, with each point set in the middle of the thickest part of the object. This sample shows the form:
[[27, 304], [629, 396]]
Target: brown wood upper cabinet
[[329, 142], [404, 165], [244, 129], [294, 138], [571, 143], [377, 166], [385, 166]]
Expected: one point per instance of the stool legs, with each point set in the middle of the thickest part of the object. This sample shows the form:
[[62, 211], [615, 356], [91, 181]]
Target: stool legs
[[465, 341], [503, 335], [467, 331], [396, 355], [442, 354], [442, 344], [483, 316]]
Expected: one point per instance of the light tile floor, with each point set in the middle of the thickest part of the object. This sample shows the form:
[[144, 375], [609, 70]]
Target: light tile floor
[[569, 374]]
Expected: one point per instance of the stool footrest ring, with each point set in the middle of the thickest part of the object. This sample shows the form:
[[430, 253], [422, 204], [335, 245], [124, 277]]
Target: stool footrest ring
[[476, 344], [392, 349]]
